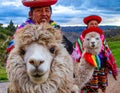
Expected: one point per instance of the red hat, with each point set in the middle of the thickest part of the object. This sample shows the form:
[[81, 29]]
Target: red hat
[[38, 3], [92, 29], [92, 17]]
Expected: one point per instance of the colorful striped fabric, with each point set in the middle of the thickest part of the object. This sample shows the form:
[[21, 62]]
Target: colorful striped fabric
[[98, 81], [94, 60]]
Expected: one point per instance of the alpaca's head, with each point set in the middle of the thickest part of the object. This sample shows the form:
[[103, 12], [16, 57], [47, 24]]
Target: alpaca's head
[[38, 59], [37, 45], [92, 43]]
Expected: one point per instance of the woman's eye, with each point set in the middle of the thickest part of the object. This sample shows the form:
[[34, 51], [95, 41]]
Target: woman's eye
[[22, 51], [52, 50]]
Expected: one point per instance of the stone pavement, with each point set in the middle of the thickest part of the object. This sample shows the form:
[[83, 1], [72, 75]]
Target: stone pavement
[[3, 87]]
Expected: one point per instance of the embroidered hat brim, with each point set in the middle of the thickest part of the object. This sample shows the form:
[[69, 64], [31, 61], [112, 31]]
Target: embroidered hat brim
[[92, 29], [38, 3], [87, 19]]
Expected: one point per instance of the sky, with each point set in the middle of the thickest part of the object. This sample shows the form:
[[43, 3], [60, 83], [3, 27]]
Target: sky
[[65, 12]]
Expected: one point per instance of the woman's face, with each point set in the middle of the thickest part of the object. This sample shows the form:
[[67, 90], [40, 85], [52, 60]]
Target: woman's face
[[41, 14], [92, 23]]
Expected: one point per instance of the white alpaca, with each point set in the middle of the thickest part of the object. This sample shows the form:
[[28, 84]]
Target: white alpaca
[[39, 63], [83, 70]]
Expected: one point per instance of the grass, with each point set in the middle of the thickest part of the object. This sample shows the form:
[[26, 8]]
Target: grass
[[115, 48], [3, 75]]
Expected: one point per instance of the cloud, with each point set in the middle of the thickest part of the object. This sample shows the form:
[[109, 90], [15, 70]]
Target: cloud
[[65, 12], [112, 20], [70, 10], [12, 10], [74, 11], [16, 3]]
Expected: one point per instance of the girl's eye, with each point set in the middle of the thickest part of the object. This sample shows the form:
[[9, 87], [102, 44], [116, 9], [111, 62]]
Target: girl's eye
[[22, 52], [52, 50]]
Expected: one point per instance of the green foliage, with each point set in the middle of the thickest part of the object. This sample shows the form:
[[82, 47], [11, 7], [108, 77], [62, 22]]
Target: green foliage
[[5, 35], [2, 36], [11, 26]]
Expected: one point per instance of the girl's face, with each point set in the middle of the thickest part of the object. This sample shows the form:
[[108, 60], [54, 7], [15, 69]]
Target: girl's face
[[92, 23]]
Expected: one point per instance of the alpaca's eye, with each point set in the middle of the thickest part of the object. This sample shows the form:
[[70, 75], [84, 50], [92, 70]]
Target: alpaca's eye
[[97, 38], [88, 39], [22, 51], [52, 50]]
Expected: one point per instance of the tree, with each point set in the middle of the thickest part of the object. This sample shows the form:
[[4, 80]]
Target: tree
[[11, 26]]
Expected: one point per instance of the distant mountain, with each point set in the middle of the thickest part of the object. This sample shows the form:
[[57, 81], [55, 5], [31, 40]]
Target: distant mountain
[[81, 28], [73, 32]]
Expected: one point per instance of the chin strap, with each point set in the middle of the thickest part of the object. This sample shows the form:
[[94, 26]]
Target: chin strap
[[94, 60]]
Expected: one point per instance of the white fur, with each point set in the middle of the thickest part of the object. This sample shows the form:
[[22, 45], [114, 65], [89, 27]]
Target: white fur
[[41, 60]]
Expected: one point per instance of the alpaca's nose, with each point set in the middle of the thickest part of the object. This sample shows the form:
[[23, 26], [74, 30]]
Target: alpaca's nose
[[93, 44], [36, 62]]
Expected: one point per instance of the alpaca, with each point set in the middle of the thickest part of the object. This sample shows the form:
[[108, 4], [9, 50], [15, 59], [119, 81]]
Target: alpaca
[[92, 45], [39, 63]]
